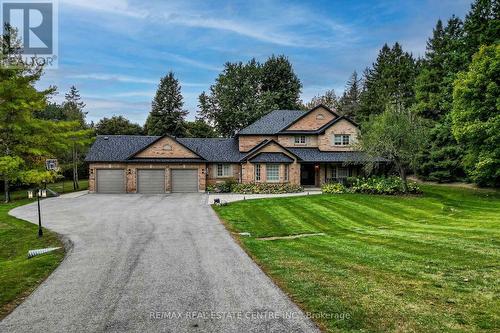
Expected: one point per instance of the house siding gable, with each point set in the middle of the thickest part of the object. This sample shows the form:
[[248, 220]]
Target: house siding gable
[[157, 150]]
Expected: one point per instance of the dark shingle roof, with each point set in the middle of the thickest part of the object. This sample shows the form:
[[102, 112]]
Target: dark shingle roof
[[214, 149], [116, 148], [273, 122], [271, 158], [315, 155]]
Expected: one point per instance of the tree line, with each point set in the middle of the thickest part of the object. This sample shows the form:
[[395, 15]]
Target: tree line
[[442, 110]]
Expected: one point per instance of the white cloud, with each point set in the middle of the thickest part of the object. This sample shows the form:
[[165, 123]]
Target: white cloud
[[113, 77]]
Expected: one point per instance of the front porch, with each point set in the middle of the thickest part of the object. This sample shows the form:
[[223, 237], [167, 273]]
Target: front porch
[[317, 174]]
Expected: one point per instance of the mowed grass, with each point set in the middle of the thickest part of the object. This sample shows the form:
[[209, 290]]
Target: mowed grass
[[427, 263], [19, 276]]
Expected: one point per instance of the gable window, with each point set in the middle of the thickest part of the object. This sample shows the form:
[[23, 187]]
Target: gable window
[[320, 116], [167, 147], [341, 139], [300, 140], [272, 172], [223, 170], [257, 172]]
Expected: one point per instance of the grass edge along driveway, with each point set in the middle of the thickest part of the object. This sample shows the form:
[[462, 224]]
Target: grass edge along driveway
[[20, 276], [422, 264]]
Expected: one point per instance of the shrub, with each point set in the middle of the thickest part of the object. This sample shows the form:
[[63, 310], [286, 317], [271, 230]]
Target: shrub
[[372, 185], [224, 187], [333, 188], [381, 185], [266, 188]]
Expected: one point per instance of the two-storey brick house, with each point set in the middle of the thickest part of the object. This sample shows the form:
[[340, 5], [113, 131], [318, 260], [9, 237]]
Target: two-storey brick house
[[299, 147]]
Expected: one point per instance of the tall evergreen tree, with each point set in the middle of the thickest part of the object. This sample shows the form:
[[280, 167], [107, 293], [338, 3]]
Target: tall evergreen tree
[[481, 26], [349, 103], [441, 159], [167, 115], [73, 107], [390, 80]]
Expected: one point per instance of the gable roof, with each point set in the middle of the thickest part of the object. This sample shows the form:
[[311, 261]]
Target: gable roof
[[117, 148], [261, 145], [158, 139], [322, 129], [307, 112], [123, 148], [272, 123], [271, 158], [278, 121]]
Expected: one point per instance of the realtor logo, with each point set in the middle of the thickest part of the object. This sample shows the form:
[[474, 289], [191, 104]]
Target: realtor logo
[[36, 25]]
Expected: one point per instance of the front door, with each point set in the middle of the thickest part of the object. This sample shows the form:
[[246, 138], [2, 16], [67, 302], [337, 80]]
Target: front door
[[307, 174]]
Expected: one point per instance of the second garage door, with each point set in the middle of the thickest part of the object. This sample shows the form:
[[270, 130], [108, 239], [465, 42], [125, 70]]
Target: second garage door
[[185, 180], [151, 181]]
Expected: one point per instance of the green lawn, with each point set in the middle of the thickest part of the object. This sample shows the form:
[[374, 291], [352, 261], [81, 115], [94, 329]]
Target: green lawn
[[19, 276], [58, 187], [408, 264]]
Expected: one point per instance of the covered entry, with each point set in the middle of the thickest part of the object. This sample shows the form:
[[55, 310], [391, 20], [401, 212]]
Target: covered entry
[[184, 180], [151, 181], [110, 180]]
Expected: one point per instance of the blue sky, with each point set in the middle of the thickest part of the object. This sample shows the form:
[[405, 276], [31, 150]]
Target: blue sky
[[115, 51]]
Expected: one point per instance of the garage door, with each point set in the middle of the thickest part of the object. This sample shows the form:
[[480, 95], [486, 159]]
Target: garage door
[[110, 181], [151, 181], [184, 180]]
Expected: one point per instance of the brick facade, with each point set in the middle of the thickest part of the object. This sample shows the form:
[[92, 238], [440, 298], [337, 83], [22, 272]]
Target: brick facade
[[131, 173], [313, 120], [166, 148], [325, 141]]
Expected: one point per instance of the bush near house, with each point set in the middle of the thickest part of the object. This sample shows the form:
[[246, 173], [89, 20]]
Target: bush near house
[[372, 185], [266, 188], [224, 187]]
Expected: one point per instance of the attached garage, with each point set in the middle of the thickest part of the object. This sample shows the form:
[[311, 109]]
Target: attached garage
[[110, 180], [184, 180], [151, 181]]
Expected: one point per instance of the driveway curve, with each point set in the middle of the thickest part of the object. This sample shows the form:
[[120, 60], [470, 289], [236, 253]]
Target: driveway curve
[[157, 263]]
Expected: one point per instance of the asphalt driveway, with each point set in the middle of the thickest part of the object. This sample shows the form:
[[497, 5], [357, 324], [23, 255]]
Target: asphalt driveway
[[150, 264]]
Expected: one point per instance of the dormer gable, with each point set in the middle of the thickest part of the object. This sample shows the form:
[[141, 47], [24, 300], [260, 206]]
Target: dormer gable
[[313, 119], [165, 147]]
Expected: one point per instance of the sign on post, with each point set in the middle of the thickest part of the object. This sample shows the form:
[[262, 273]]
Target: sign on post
[[51, 164]]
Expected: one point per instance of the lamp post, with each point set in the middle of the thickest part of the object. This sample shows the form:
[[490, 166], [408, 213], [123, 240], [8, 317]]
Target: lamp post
[[40, 192]]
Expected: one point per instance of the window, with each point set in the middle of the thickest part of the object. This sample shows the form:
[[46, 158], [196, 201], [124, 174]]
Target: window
[[272, 172], [320, 116], [286, 172], [167, 147], [223, 170], [257, 172], [300, 140], [341, 139]]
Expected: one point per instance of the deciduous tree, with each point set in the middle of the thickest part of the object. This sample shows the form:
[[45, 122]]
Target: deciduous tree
[[396, 134], [117, 125], [476, 116]]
